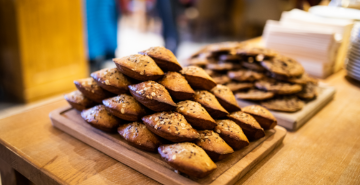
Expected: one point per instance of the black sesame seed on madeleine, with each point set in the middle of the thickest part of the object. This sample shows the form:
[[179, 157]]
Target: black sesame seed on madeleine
[[262, 116], [171, 126], [232, 134], [187, 158], [214, 145], [100, 118], [198, 78], [226, 98], [78, 101], [210, 103], [111, 80], [196, 115], [153, 96], [136, 134], [249, 125], [163, 57], [125, 107], [90, 89], [139, 67], [177, 86]]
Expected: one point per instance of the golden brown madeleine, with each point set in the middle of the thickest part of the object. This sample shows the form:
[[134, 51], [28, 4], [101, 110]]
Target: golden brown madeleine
[[90, 89], [163, 57], [244, 75], [196, 115], [187, 158], [177, 86], [153, 96], [139, 67], [214, 145], [232, 134], [198, 78], [139, 136], [111, 80], [78, 101], [100, 118], [171, 126], [249, 125], [226, 98], [125, 107], [210, 103], [262, 115]]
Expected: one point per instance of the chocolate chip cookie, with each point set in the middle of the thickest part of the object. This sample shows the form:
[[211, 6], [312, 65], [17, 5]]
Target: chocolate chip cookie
[[284, 104], [254, 94], [278, 87], [283, 66]]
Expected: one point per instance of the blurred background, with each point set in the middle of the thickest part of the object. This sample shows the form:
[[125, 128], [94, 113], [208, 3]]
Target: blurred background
[[45, 45]]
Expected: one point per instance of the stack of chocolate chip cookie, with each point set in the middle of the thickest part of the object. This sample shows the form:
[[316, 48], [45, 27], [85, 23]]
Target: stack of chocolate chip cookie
[[180, 113], [257, 74]]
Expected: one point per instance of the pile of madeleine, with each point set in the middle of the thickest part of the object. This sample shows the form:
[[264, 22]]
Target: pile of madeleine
[[158, 106]]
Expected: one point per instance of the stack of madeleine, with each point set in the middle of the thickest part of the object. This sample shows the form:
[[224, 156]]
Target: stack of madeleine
[[158, 106]]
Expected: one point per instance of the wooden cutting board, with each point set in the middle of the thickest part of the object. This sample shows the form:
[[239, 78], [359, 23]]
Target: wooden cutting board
[[228, 170], [293, 121]]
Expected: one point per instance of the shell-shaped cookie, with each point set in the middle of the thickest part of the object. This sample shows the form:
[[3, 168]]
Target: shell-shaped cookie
[[90, 89], [232, 134], [210, 103], [187, 158], [100, 118], [196, 115], [78, 101], [138, 135], [249, 125], [152, 95], [163, 57], [177, 86], [226, 98], [214, 145], [111, 80], [171, 126], [125, 107], [139, 67], [198, 78], [262, 116]]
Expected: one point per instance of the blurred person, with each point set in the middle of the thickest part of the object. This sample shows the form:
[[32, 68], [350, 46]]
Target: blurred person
[[166, 10], [101, 24]]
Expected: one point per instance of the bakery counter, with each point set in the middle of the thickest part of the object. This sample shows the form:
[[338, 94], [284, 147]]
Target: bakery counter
[[325, 150]]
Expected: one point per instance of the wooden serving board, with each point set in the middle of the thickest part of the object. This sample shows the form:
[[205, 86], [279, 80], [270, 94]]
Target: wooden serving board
[[293, 121], [228, 170]]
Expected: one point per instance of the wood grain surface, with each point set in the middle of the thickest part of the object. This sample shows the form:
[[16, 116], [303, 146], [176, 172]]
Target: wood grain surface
[[238, 163], [326, 150]]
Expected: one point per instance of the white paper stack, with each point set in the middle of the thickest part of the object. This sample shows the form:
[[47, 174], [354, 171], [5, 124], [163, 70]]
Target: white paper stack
[[319, 44]]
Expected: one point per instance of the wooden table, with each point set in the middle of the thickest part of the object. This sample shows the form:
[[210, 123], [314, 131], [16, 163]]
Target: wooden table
[[326, 150]]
